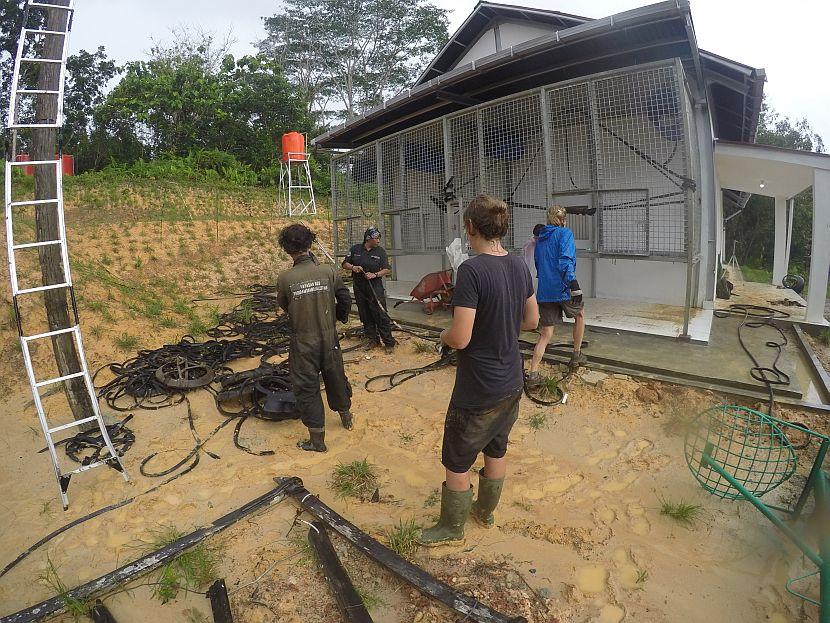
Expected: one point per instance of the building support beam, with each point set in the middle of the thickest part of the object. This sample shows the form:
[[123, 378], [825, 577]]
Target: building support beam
[[779, 262], [790, 216], [820, 259]]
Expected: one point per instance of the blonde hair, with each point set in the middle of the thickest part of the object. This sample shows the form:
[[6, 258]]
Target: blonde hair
[[556, 215]]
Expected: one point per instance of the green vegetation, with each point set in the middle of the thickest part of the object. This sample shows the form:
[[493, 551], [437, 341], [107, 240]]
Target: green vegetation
[[304, 550], [402, 539], [682, 512], [74, 607], [370, 598], [824, 337], [197, 327], [421, 347], [357, 479], [538, 420], [642, 576], [191, 570], [126, 342]]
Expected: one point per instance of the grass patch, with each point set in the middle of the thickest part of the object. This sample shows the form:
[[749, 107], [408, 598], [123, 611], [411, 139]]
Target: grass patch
[[538, 420], [357, 479], [549, 387], [406, 438], [168, 322], [126, 342], [305, 552], [402, 538], [153, 308], [642, 576], [824, 337], [192, 570], [182, 307], [682, 512], [421, 347], [74, 607], [370, 598], [197, 327]]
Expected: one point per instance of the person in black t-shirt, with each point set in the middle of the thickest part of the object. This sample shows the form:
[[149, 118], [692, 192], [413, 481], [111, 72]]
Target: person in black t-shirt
[[369, 264], [493, 301]]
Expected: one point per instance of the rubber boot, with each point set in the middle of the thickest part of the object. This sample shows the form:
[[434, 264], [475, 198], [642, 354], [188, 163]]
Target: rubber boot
[[534, 380], [316, 441], [347, 419], [577, 360], [455, 508], [489, 492]]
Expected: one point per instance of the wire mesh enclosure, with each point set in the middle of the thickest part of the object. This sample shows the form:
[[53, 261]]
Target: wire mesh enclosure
[[617, 141], [746, 443]]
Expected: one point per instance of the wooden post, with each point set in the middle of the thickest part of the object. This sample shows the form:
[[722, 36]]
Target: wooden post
[[44, 147], [349, 602]]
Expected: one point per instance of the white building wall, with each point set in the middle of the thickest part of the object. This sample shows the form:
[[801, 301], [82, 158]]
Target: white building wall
[[641, 280], [512, 33], [484, 46], [414, 267]]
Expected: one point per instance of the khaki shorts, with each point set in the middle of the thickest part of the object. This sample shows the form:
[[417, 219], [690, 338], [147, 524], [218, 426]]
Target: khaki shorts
[[551, 313]]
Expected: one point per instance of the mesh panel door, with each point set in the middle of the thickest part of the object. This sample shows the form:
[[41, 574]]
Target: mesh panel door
[[363, 193], [422, 222], [340, 208], [514, 163], [392, 199], [641, 144], [623, 222]]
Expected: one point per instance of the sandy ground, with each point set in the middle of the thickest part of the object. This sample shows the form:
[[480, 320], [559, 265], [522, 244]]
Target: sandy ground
[[579, 535], [579, 519]]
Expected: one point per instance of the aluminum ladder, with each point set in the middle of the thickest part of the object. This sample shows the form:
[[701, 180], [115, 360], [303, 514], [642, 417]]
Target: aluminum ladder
[[295, 185], [16, 124]]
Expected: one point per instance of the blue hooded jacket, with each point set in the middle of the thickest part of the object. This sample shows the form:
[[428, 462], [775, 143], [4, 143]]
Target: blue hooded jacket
[[555, 258]]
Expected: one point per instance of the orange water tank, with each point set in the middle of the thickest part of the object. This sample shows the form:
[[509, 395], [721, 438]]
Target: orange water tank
[[67, 164], [293, 143]]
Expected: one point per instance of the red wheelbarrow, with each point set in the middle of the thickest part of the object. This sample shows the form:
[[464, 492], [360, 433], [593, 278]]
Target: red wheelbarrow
[[433, 290]]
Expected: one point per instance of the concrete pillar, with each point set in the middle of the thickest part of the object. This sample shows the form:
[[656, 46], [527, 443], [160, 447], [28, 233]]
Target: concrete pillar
[[820, 249], [779, 264], [790, 216]]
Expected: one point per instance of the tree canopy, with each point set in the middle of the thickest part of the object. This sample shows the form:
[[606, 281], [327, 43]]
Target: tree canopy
[[353, 54]]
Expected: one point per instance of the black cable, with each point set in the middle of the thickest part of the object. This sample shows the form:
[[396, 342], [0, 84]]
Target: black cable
[[402, 376], [757, 316]]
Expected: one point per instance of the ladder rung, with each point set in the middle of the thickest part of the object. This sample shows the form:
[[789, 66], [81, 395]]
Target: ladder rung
[[40, 336], [27, 59], [83, 468], [35, 31], [71, 424], [299, 187], [32, 245], [18, 126], [24, 163], [34, 202], [46, 5], [37, 92], [54, 286], [59, 379]]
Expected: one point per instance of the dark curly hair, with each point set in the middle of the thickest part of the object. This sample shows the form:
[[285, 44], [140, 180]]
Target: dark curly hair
[[488, 216], [296, 239]]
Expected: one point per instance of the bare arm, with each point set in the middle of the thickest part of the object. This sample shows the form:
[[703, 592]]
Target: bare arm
[[461, 330], [530, 319]]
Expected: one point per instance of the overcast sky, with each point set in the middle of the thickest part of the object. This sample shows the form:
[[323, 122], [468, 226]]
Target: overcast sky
[[781, 37]]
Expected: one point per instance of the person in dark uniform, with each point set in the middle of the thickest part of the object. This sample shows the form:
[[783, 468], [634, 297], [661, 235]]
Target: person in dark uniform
[[369, 264], [314, 297]]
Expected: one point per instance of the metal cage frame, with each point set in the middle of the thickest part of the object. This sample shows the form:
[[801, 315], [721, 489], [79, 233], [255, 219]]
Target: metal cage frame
[[490, 157]]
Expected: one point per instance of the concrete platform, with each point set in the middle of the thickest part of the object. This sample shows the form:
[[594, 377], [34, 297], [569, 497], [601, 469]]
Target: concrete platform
[[721, 364], [766, 295], [624, 316]]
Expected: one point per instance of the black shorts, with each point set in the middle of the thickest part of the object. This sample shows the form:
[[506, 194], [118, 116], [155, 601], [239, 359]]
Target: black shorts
[[470, 431], [551, 313]]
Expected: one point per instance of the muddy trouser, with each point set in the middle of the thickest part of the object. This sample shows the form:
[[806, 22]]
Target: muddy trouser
[[376, 323], [308, 360]]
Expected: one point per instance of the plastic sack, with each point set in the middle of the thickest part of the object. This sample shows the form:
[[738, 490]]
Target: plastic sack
[[457, 255]]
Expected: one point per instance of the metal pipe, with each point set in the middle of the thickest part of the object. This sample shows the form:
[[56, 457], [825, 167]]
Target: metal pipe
[[707, 460]]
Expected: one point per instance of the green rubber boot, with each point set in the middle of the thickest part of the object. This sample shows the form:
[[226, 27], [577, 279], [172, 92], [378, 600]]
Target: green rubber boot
[[455, 508], [489, 492]]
